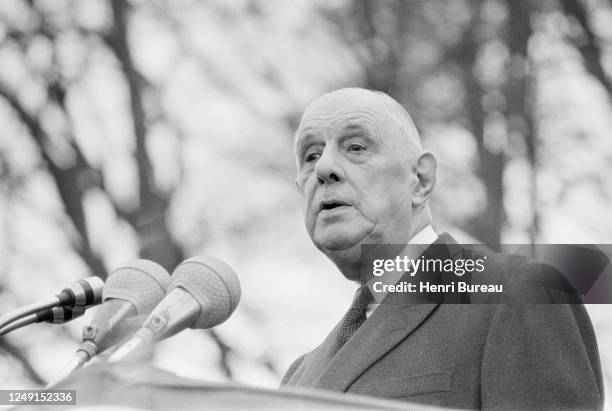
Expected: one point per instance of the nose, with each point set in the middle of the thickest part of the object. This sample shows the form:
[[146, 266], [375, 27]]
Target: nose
[[328, 169]]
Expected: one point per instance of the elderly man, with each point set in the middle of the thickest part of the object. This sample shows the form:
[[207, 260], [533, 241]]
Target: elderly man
[[365, 180]]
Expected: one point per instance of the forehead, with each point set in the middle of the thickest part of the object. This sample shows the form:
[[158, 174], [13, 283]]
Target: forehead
[[343, 112]]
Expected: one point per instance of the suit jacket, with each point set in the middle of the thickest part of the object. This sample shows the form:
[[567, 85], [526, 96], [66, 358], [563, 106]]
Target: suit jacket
[[472, 356]]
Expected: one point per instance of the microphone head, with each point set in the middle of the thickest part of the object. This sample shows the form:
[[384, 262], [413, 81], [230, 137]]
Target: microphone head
[[213, 283], [141, 282]]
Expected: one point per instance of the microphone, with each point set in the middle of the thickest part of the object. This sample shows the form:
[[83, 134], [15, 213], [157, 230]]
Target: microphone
[[80, 294], [203, 293], [131, 290], [130, 293]]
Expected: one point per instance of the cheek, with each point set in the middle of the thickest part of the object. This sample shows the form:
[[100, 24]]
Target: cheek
[[386, 189], [309, 217], [307, 193]]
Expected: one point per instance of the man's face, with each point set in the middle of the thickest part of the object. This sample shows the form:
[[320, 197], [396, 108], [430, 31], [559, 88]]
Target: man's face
[[354, 175]]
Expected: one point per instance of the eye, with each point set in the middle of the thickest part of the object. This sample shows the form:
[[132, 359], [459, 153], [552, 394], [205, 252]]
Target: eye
[[312, 157], [356, 148]]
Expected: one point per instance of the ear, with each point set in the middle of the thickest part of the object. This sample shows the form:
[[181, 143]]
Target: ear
[[425, 169]]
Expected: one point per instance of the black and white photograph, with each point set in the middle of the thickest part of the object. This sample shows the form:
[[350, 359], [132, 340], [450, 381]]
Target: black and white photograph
[[306, 204]]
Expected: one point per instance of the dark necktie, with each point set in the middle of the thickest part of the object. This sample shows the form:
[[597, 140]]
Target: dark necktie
[[354, 317]]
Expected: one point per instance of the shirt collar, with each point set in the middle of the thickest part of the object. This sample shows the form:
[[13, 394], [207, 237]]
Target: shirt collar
[[425, 237]]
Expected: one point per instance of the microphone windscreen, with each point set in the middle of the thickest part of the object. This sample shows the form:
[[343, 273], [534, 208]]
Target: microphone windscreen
[[213, 283], [141, 282]]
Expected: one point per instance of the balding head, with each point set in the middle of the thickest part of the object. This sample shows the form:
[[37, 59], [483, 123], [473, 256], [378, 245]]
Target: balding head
[[362, 174], [390, 112]]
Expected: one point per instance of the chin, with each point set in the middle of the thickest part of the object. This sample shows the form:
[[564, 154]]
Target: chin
[[342, 245], [340, 237], [348, 261], [345, 255], [339, 242]]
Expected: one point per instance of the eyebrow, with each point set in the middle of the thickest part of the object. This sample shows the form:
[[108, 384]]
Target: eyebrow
[[308, 133], [301, 139], [358, 130], [352, 126]]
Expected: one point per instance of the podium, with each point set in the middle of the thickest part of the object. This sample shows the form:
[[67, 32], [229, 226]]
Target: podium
[[140, 386]]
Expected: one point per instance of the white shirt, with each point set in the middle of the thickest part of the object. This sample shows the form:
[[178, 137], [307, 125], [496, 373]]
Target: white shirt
[[426, 236]]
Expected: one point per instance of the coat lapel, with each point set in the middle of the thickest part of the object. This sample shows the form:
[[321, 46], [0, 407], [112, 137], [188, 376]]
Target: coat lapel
[[315, 363], [387, 326]]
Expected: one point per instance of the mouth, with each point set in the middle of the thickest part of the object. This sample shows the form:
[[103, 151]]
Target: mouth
[[332, 204]]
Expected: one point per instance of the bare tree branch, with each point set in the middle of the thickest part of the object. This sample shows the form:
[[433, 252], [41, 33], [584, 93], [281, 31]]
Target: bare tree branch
[[589, 48], [118, 42], [519, 111], [486, 227], [224, 350], [71, 180], [150, 222]]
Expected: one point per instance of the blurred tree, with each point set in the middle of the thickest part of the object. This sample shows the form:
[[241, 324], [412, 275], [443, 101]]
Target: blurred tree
[[586, 41], [61, 153], [519, 93], [486, 226], [466, 64], [149, 218], [406, 45]]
